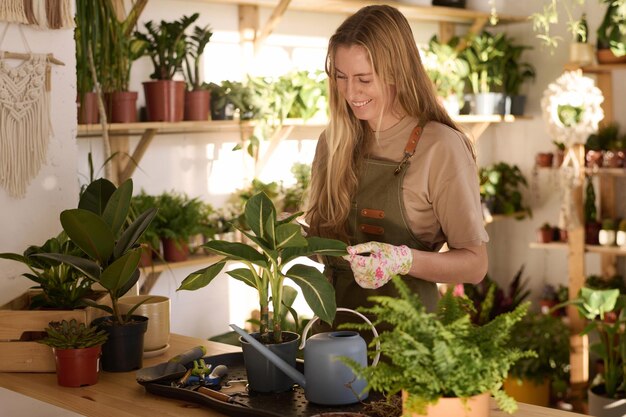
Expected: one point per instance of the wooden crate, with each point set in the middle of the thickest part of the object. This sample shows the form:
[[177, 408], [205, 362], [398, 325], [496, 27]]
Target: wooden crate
[[16, 320]]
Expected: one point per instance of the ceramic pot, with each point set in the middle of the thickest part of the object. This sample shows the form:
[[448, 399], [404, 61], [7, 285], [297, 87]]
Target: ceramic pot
[[175, 250], [529, 392], [544, 235], [476, 406], [620, 238], [165, 100], [606, 237], [606, 56], [123, 350], [157, 310], [600, 406], [77, 367], [197, 105], [581, 53], [121, 106], [87, 104]]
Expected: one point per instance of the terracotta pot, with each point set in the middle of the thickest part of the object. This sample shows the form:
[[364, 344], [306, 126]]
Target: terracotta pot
[[197, 105], [175, 250], [165, 100], [77, 367], [594, 159], [544, 235], [544, 159], [87, 105], [559, 156], [121, 106], [592, 231], [613, 159], [529, 392], [146, 256], [606, 56], [476, 406]]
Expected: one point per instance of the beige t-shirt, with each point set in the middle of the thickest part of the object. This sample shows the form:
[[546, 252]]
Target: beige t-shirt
[[441, 190]]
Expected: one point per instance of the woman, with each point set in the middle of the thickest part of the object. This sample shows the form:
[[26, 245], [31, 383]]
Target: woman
[[392, 174]]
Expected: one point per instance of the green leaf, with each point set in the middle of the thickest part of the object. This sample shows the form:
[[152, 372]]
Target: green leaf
[[290, 235], [261, 242], [244, 275], [15, 257], [103, 307], [202, 277], [290, 218], [132, 234], [117, 207], [121, 271], [235, 251], [316, 289], [86, 266], [316, 245], [96, 196], [259, 209], [270, 232], [129, 284], [89, 232]]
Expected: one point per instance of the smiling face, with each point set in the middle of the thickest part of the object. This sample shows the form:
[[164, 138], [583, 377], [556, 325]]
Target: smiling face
[[362, 89]]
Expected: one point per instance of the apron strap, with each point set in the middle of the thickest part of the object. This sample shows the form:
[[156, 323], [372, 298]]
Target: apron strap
[[411, 145]]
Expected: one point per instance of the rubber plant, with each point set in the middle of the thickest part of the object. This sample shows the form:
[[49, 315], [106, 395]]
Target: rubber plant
[[275, 243], [100, 228]]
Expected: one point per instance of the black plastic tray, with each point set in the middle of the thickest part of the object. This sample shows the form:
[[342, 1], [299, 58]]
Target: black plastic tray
[[286, 404]]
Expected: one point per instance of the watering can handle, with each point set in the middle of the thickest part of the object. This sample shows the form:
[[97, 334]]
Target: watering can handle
[[315, 318]]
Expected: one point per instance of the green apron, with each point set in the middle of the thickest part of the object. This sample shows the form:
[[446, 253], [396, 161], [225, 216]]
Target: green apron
[[378, 214]]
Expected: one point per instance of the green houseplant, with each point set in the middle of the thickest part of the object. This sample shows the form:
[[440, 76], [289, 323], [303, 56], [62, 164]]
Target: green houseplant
[[530, 378], [100, 228], [436, 356], [611, 34], [62, 286], [77, 349], [166, 46], [197, 95], [274, 243], [516, 73], [447, 70], [500, 185]]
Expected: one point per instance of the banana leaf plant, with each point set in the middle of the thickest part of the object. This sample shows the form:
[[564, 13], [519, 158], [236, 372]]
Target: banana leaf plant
[[101, 229], [275, 244]]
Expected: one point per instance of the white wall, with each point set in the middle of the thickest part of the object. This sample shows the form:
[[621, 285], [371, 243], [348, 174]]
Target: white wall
[[35, 218], [203, 165]]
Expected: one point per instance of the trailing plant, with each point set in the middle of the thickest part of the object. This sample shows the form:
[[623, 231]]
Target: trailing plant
[[548, 337], [442, 354], [72, 335], [195, 48], [100, 227], [544, 20], [490, 300], [274, 244], [500, 185], [166, 45], [62, 286]]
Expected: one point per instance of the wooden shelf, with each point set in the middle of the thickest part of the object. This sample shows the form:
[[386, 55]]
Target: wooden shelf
[[597, 69], [412, 12], [607, 250], [197, 259], [613, 172], [551, 245]]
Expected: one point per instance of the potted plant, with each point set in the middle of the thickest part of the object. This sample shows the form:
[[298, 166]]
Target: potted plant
[[165, 44], [515, 74], [442, 357], [544, 233], [447, 71], [222, 107], [605, 398], [484, 54], [606, 236], [84, 36], [500, 185], [592, 225], [620, 238], [530, 378], [611, 37], [295, 196], [551, 297], [544, 159], [100, 228], [180, 218], [77, 348], [197, 96], [274, 243], [615, 153]]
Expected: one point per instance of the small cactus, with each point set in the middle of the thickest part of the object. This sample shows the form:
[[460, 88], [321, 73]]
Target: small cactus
[[72, 335]]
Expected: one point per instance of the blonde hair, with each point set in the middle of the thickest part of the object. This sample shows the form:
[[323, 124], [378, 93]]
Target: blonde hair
[[387, 37]]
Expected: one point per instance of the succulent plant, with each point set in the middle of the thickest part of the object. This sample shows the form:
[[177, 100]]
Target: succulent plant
[[72, 335]]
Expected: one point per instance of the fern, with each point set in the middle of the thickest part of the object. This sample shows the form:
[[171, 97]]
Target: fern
[[440, 355]]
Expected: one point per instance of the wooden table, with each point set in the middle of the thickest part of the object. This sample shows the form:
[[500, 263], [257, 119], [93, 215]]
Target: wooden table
[[119, 395]]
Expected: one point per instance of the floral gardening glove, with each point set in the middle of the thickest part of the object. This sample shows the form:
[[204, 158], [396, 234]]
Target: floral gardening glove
[[384, 261]]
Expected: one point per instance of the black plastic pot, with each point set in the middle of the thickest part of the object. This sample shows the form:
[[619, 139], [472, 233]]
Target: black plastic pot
[[123, 350], [263, 375]]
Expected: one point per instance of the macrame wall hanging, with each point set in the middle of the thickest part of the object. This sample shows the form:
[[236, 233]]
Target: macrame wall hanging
[[44, 14], [25, 125]]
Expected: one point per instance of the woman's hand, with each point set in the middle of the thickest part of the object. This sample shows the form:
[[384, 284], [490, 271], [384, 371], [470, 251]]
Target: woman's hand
[[374, 263]]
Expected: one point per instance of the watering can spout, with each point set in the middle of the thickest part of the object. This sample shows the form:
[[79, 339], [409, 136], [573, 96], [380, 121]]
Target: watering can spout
[[271, 356]]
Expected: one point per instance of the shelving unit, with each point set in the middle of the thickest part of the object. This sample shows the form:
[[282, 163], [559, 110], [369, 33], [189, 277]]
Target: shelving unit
[[576, 247]]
